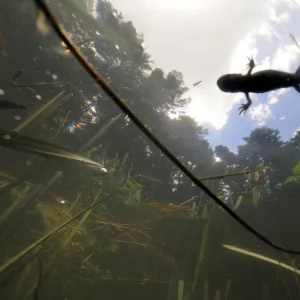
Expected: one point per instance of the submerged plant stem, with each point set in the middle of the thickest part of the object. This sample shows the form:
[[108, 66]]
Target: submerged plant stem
[[33, 246], [19, 73], [38, 112], [200, 255], [231, 174], [265, 258]]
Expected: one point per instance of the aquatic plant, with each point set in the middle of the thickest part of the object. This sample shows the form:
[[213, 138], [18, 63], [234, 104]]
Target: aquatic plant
[[201, 255], [18, 141], [264, 258], [296, 177]]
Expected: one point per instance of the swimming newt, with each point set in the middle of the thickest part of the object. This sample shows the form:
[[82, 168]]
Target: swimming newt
[[258, 82]]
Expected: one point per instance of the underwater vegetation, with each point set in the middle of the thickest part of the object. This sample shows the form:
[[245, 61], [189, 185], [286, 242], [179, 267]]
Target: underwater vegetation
[[90, 206]]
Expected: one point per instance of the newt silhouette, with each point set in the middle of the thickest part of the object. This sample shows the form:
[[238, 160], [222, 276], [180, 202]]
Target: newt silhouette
[[258, 82]]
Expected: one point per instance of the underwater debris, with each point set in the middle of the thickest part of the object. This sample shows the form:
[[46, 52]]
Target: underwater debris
[[167, 207], [6, 104], [3, 47], [197, 83], [40, 22]]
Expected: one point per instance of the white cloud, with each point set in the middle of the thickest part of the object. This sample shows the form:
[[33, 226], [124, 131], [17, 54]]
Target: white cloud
[[261, 113], [245, 48], [209, 111], [296, 132], [284, 18], [274, 17], [285, 57], [273, 97], [273, 100], [282, 118], [265, 30], [205, 39]]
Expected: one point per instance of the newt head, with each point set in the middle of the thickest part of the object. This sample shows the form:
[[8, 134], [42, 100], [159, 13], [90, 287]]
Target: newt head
[[229, 82]]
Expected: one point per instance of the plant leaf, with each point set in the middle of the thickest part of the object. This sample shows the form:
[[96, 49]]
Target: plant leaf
[[238, 202], [290, 179], [114, 247], [22, 142], [255, 195], [256, 176], [296, 169]]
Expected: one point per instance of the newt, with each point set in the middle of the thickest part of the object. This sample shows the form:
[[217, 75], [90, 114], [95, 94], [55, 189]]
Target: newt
[[258, 82]]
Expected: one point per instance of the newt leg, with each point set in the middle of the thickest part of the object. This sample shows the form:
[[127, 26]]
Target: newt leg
[[244, 107], [250, 65]]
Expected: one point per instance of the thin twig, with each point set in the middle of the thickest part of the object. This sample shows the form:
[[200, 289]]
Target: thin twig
[[40, 273], [38, 112], [294, 40], [123, 226], [16, 76], [231, 174], [287, 290]]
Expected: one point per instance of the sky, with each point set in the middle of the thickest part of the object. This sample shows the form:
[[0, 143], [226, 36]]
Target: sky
[[206, 39]]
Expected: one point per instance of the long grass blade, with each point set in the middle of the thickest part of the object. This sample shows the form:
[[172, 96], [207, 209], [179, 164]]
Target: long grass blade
[[228, 289], [265, 258], [39, 111], [22, 142]]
